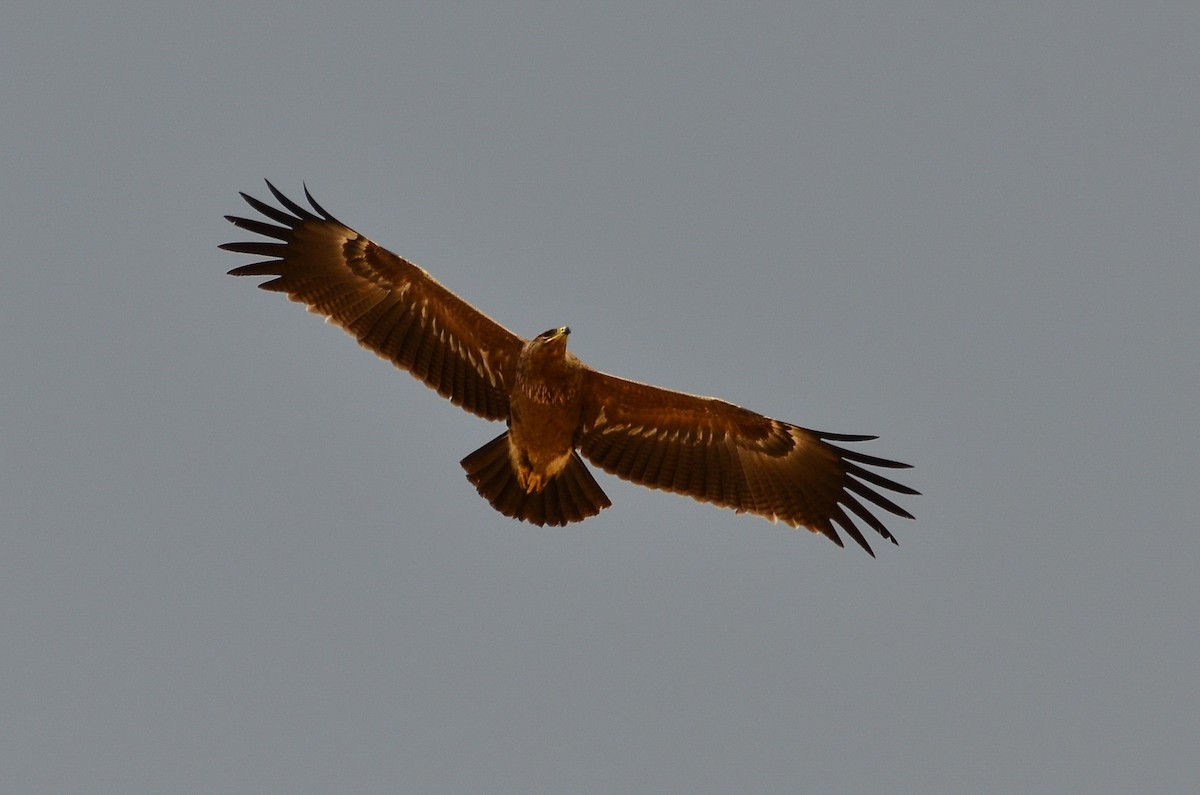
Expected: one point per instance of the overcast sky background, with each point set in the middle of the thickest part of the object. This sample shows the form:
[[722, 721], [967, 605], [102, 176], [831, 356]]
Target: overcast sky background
[[238, 552]]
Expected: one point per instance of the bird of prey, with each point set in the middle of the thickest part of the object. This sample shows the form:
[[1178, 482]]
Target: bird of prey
[[556, 407]]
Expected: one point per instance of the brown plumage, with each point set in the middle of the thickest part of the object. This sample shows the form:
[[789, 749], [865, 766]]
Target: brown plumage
[[555, 406]]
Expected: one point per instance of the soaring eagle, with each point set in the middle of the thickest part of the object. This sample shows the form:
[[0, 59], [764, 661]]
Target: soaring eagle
[[556, 407]]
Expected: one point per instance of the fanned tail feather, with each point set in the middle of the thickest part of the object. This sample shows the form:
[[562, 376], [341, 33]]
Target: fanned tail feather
[[571, 496]]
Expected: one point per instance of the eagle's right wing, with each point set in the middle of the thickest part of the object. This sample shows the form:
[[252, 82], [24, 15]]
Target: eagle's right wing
[[717, 452], [387, 303]]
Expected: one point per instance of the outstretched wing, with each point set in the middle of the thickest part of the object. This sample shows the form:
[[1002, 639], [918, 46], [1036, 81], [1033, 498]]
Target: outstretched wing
[[721, 453], [387, 303]]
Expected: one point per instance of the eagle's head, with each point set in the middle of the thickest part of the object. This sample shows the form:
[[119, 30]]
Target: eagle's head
[[555, 334], [553, 339], [547, 348]]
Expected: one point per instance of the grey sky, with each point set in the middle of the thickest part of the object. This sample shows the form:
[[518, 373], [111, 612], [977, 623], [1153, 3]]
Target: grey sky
[[238, 553]]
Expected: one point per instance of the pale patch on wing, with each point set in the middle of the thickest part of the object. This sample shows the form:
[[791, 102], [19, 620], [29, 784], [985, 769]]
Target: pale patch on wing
[[800, 437], [485, 366]]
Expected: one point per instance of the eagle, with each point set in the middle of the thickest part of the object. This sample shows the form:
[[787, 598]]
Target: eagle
[[555, 407]]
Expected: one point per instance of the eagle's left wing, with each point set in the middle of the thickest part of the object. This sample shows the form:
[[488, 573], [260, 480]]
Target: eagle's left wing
[[724, 454], [387, 303]]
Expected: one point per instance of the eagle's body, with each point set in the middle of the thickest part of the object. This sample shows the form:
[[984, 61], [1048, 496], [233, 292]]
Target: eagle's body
[[532, 471], [544, 409], [556, 407]]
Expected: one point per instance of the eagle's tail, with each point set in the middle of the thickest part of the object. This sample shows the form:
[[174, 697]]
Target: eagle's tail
[[570, 496]]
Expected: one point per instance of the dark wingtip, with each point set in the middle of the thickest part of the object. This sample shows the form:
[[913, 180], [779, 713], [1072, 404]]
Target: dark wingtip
[[829, 532], [845, 437], [296, 209], [862, 542], [321, 210]]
